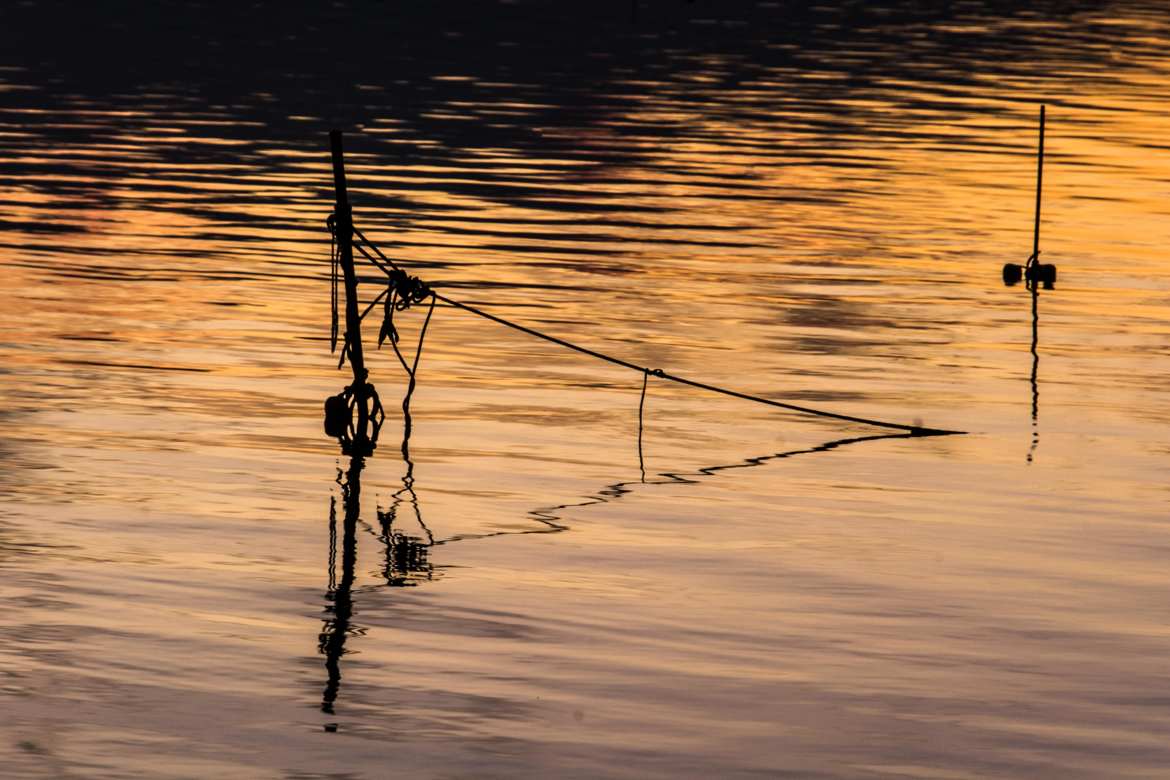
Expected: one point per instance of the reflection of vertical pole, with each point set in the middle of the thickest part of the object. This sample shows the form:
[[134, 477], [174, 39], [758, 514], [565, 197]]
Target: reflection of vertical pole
[[1035, 370]]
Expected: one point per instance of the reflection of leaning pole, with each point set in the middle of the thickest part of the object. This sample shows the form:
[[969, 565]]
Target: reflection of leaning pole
[[405, 563], [355, 415]]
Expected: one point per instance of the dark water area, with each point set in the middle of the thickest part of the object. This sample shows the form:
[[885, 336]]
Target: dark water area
[[810, 204]]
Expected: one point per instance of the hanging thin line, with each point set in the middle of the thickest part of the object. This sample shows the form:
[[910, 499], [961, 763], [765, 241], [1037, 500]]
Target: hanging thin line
[[641, 408]]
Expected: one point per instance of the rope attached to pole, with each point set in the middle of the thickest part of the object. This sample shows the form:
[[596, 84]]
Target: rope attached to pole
[[916, 430], [405, 290]]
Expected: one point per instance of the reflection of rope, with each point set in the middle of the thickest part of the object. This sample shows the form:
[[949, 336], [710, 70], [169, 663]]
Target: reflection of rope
[[416, 291], [1035, 370], [550, 515]]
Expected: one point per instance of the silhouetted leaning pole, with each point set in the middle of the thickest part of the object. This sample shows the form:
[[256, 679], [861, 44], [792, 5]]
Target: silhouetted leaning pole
[[357, 436], [403, 291]]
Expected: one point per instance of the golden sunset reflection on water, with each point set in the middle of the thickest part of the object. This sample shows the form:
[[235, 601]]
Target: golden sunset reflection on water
[[815, 212]]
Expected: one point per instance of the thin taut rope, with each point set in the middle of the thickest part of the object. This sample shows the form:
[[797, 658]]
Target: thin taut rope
[[915, 430]]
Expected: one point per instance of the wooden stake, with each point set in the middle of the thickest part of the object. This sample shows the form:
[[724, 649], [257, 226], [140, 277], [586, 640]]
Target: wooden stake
[[343, 225], [1039, 186]]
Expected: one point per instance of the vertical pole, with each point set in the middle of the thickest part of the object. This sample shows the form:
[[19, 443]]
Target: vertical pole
[[344, 227], [1039, 185], [1035, 282]]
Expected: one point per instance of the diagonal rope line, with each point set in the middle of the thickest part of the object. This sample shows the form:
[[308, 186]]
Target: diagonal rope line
[[916, 430], [369, 257], [373, 246]]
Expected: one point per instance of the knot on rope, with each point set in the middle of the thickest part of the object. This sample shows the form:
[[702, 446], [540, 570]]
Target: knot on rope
[[655, 372], [403, 291], [408, 290]]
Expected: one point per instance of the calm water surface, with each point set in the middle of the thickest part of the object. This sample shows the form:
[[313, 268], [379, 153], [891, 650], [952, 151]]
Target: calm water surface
[[811, 208]]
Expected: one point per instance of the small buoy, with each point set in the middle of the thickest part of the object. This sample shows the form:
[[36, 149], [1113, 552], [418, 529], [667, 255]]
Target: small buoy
[[1043, 273], [1047, 274], [1012, 274], [337, 415]]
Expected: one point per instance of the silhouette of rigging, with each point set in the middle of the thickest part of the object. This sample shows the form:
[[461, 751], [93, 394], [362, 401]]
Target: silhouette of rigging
[[403, 291], [355, 416], [618, 489]]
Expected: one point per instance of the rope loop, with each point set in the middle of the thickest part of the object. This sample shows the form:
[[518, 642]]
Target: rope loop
[[402, 292], [407, 290]]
